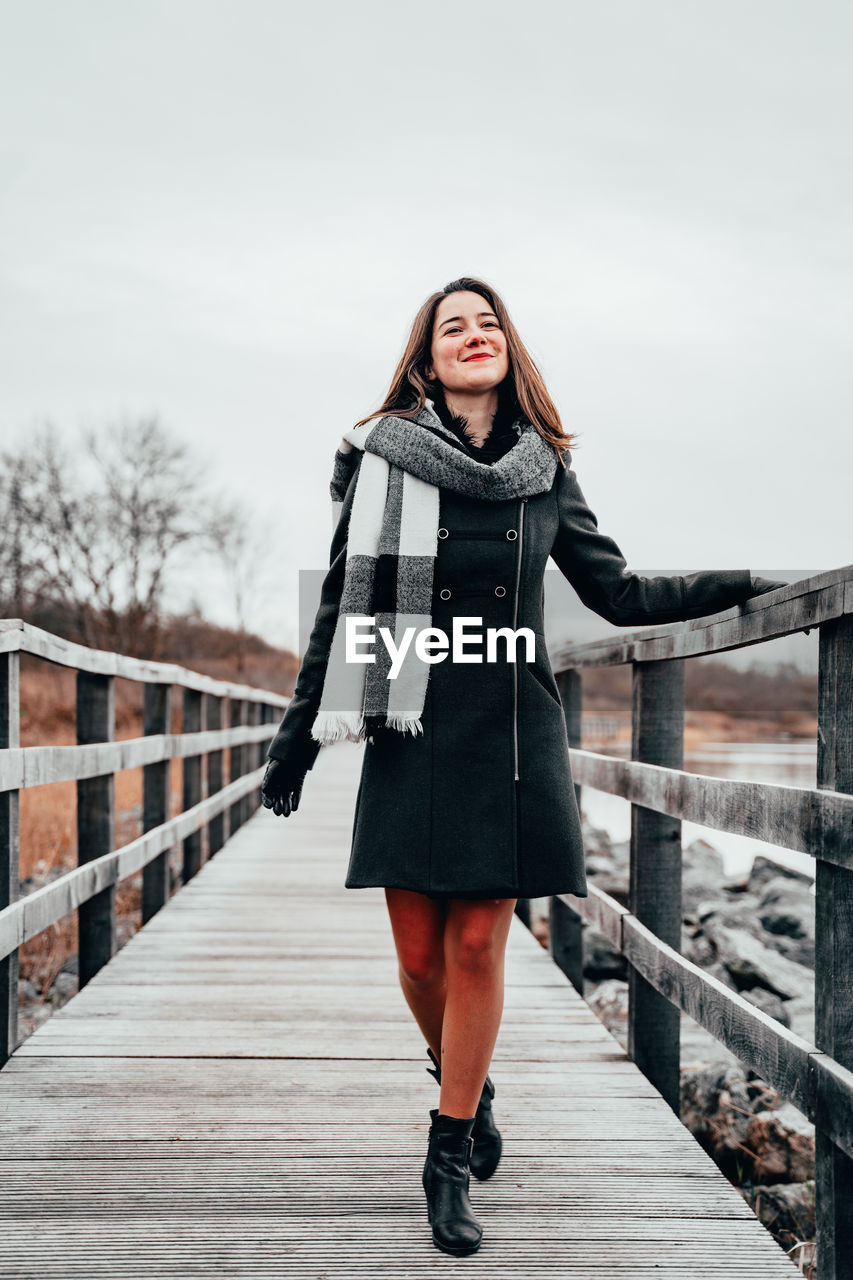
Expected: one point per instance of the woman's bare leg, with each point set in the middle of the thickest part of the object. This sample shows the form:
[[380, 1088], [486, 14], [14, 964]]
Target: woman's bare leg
[[475, 935], [417, 923]]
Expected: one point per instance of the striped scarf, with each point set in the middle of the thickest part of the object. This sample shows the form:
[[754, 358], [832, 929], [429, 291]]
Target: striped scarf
[[392, 542]]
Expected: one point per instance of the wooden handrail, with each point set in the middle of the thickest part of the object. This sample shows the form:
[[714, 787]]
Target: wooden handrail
[[30, 915], [799, 606], [20, 637], [817, 1078], [809, 820], [24, 767]]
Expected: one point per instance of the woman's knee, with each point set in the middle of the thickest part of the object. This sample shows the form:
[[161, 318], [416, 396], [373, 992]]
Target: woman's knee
[[477, 938], [421, 969]]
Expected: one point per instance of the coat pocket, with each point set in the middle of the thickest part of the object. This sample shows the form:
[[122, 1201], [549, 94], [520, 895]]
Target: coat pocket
[[542, 681]]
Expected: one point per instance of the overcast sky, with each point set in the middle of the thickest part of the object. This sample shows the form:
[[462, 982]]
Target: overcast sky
[[229, 213]]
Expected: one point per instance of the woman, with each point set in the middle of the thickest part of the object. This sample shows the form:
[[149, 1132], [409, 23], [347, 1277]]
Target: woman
[[449, 501]]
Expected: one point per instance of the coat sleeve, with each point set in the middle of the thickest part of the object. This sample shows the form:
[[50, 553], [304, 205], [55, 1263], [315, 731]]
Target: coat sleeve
[[293, 742], [597, 570]]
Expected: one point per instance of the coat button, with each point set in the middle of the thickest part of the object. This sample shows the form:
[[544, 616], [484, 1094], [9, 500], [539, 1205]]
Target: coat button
[[442, 533], [512, 534], [445, 593], [500, 591]]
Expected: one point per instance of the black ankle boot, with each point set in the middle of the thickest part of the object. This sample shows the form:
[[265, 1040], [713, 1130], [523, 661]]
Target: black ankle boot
[[487, 1139], [454, 1228]]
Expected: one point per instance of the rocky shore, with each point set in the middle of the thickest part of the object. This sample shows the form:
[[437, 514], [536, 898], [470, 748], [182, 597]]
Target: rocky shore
[[757, 935]]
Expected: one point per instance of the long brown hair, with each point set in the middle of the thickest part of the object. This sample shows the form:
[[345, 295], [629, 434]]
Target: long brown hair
[[410, 382]]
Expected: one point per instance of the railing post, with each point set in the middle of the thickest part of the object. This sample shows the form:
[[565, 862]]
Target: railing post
[[834, 948], [192, 723], [654, 1024], [10, 882], [565, 941], [216, 829], [96, 919], [522, 910], [565, 927], [237, 717], [254, 755], [156, 876]]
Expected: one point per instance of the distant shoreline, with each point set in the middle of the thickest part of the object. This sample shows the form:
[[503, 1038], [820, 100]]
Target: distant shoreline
[[702, 727]]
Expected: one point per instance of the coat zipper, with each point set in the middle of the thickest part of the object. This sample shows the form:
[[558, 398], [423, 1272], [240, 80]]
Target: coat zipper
[[514, 625]]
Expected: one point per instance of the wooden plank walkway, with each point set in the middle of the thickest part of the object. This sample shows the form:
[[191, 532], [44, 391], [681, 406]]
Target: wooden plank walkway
[[242, 1093]]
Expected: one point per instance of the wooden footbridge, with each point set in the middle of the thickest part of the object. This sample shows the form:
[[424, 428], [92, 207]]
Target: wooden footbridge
[[241, 1091]]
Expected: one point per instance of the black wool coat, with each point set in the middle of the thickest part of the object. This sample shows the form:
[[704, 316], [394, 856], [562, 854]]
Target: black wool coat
[[482, 804]]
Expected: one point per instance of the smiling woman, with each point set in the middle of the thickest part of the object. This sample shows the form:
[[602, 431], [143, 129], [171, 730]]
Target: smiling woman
[[449, 500], [468, 357]]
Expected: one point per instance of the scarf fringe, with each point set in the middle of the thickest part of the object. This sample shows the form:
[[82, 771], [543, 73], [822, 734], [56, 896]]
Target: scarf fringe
[[335, 726], [405, 724]]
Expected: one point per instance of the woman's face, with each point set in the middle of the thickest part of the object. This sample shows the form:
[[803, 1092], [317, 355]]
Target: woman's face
[[468, 351]]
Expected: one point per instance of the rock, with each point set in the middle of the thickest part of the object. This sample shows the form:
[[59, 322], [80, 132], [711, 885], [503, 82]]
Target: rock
[[741, 1123], [697, 948], [764, 869], [607, 862], [600, 960], [751, 964], [800, 950], [701, 874], [599, 865], [716, 1107], [787, 912], [30, 1018], [721, 973], [597, 842], [609, 1001], [613, 883], [783, 1145], [787, 907], [700, 855], [788, 1211], [770, 1004], [735, 913], [710, 907], [28, 992], [800, 1011], [64, 987], [791, 916]]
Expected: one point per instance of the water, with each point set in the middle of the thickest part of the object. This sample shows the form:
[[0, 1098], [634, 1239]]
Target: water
[[791, 764]]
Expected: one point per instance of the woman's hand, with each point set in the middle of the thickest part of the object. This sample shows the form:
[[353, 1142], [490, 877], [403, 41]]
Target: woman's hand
[[760, 585], [281, 787]]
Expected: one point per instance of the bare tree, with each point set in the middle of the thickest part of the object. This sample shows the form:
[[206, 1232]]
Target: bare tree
[[21, 573], [242, 549], [98, 533]]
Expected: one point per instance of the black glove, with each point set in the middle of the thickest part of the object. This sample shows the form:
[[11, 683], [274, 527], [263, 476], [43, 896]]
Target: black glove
[[760, 585], [281, 787]]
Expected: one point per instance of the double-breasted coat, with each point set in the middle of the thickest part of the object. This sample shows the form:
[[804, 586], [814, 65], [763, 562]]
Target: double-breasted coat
[[482, 803]]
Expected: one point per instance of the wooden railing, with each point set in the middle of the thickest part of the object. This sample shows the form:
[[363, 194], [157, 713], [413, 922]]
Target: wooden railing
[[210, 803], [817, 1078]]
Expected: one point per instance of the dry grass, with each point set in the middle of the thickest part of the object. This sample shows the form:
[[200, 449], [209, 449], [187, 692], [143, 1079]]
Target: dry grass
[[48, 821]]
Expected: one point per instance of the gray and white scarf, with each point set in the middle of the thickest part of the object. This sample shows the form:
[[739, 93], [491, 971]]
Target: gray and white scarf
[[391, 548]]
